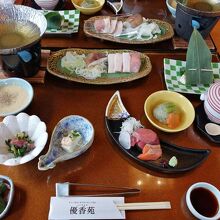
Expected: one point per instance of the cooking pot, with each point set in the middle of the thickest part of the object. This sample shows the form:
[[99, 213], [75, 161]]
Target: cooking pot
[[21, 29], [200, 14]]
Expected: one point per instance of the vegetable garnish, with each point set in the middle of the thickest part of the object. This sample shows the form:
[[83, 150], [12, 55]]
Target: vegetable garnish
[[20, 145], [173, 161]]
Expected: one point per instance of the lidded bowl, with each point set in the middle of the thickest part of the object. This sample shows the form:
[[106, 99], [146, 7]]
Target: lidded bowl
[[212, 102]]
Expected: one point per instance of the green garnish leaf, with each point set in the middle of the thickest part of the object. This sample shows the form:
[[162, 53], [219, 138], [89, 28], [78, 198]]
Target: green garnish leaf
[[54, 20]]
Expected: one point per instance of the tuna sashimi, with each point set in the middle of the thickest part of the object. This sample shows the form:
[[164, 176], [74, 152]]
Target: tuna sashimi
[[150, 152], [145, 136], [135, 62]]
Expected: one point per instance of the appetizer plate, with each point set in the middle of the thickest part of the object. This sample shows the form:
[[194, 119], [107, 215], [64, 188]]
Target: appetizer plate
[[201, 121], [10, 194], [173, 72], [12, 91], [54, 67], [166, 28], [11, 126], [69, 25], [185, 106], [187, 158], [56, 153]]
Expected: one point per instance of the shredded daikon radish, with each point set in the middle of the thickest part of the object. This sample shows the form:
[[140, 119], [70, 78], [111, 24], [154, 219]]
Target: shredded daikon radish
[[130, 125], [75, 64]]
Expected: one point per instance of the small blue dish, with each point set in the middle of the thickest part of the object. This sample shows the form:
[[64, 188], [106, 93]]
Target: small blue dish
[[8, 96], [56, 153]]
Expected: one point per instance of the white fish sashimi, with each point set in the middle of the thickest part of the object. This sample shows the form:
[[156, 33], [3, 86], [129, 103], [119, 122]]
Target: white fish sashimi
[[111, 63], [126, 62], [125, 139], [118, 60]]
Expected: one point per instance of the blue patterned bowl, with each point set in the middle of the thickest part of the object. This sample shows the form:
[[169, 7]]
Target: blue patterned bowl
[[56, 153]]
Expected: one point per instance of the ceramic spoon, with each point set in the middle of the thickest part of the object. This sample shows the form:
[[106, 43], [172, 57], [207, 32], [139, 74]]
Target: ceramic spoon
[[212, 129]]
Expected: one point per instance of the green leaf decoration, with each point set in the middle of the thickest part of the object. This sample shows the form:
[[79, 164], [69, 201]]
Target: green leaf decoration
[[54, 20], [198, 61]]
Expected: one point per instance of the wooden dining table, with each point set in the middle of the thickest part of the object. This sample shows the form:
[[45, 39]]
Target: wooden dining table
[[104, 162]]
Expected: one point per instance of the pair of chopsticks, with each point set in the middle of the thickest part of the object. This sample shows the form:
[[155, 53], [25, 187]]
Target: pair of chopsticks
[[144, 206]]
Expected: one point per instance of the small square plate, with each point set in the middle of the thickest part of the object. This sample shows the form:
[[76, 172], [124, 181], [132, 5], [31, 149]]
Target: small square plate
[[70, 24], [172, 75]]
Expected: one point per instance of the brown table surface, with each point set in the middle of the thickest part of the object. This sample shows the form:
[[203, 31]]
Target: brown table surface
[[104, 163]]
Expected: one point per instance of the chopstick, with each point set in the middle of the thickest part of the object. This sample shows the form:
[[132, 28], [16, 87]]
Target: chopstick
[[144, 206]]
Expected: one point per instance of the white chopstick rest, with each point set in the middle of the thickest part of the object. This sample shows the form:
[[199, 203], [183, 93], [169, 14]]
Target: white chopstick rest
[[144, 206]]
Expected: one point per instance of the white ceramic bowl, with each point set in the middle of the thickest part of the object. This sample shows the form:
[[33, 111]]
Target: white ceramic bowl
[[171, 5], [209, 187], [10, 126], [24, 85], [47, 4]]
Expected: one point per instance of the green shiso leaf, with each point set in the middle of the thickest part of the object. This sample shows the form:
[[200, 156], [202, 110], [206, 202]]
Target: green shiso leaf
[[198, 61], [54, 20]]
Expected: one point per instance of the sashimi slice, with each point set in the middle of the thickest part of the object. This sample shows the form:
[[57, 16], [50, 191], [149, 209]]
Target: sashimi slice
[[150, 152], [135, 62], [91, 57], [124, 139], [126, 62], [111, 63], [118, 29], [113, 25], [107, 27], [99, 25], [146, 136], [118, 62]]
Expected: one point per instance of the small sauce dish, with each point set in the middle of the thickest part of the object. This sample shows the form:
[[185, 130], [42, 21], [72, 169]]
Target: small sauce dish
[[203, 201]]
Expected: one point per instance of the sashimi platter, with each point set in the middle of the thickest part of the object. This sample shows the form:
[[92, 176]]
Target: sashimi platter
[[99, 66], [133, 29], [144, 146]]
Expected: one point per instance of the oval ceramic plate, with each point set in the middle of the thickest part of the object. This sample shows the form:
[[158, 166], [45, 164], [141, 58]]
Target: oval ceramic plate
[[187, 158], [201, 121], [54, 67], [166, 28], [9, 98]]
